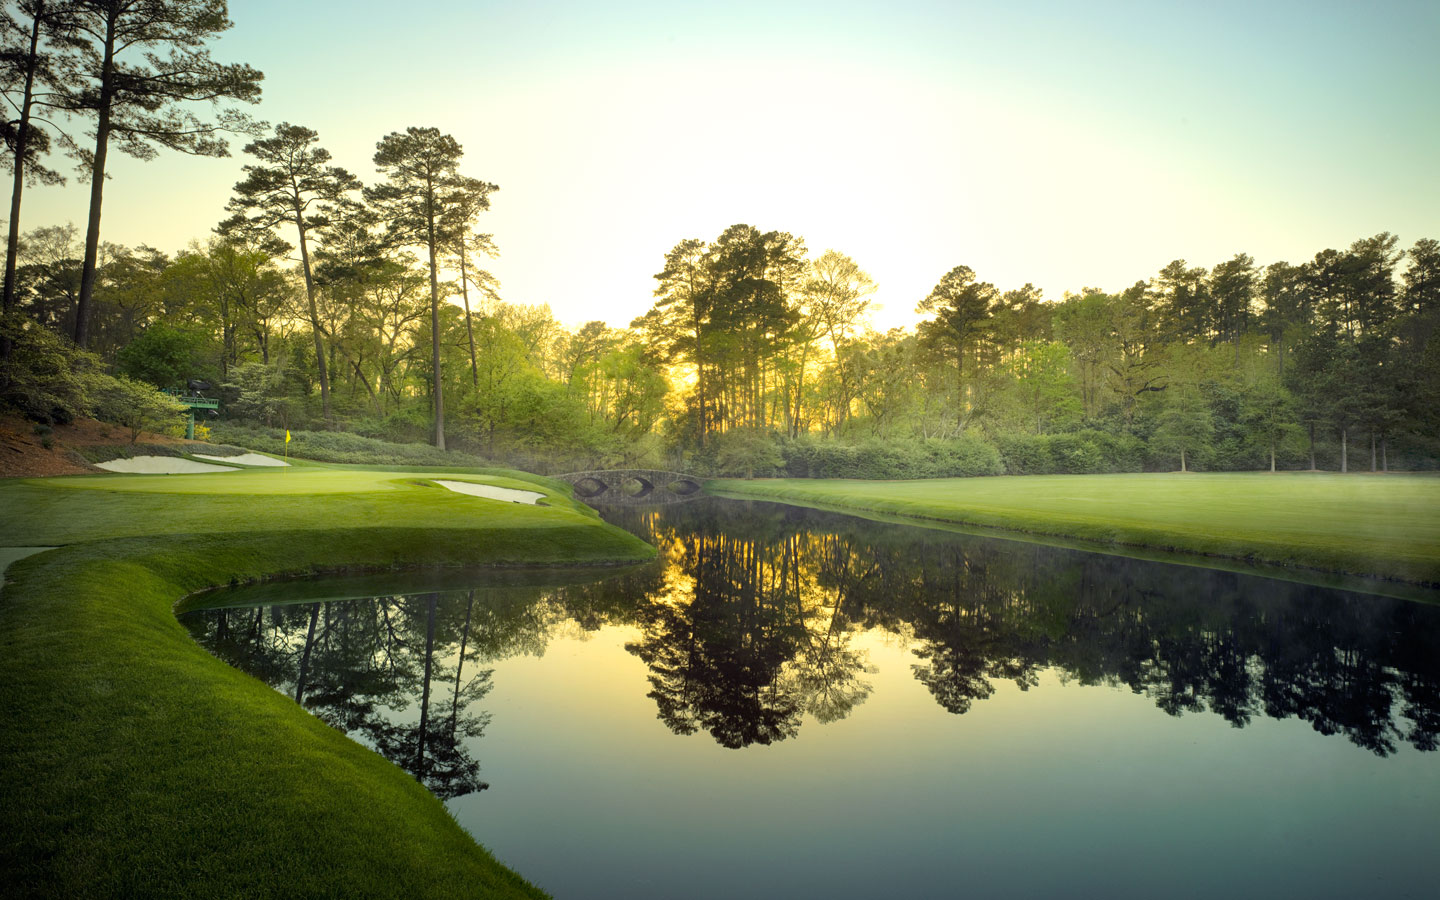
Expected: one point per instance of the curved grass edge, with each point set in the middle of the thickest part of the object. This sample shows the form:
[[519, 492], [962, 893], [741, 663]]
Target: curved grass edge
[[136, 764], [1365, 574]]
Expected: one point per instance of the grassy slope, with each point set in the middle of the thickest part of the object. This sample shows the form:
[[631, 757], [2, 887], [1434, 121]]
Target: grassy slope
[[1386, 526], [133, 763]]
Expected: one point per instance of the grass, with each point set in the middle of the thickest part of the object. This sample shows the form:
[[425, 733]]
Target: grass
[[1373, 526], [132, 763]]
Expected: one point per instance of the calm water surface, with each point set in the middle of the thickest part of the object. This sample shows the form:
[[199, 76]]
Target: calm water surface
[[802, 704]]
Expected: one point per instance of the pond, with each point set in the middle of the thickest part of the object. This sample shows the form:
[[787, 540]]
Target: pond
[[803, 704]]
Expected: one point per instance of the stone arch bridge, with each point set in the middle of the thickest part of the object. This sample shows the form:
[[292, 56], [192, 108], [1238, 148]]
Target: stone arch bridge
[[632, 487]]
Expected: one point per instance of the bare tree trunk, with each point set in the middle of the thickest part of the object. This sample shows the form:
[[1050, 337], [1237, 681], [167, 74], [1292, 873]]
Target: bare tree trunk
[[1344, 450], [1384, 456], [1182, 459], [1272, 456], [1372, 452], [1312, 446]]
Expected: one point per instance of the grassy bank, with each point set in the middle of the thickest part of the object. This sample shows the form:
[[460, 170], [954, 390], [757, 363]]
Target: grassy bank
[[132, 763], [1377, 526]]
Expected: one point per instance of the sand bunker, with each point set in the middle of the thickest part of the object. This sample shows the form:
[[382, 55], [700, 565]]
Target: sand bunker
[[161, 465], [491, 492], [245, 459]]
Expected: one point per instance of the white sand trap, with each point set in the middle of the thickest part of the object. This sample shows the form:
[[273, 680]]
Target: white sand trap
[[161, 465], [246, 459], [491, 492]]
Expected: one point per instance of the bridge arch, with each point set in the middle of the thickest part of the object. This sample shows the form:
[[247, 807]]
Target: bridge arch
[[637, 487]]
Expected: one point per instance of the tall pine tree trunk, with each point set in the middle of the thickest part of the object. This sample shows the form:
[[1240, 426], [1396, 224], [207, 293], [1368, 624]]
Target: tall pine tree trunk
[[320, 361], [469, 331], [305, 656], [1344, 450], [1372, 452], [439, 388], [97, 186], [22, 141], [423, 731], [1312, 446], [1182, 459]]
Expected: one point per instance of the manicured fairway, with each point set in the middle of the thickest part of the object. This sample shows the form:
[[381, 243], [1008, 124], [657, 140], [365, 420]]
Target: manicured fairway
[[132, 763], [1375, 525]]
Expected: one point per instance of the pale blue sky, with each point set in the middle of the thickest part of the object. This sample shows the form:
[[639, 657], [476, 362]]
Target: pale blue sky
[[1062, 144]]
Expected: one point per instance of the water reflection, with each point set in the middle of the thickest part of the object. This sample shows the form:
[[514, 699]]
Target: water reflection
[[749, 626]]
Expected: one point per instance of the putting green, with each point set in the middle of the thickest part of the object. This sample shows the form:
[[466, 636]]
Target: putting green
[[133, 763]]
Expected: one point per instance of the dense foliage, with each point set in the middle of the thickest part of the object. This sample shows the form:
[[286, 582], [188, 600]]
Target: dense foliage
[[321, 303]]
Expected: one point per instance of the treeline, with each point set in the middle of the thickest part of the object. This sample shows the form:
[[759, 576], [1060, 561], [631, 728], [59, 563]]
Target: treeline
[[757, 359], [1235, 367], [322, 303]]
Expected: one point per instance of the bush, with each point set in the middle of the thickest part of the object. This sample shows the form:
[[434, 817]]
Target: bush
[[1025, 454], [135, 405], [743, 452], [1073, 453], [46, 379], [341, 447], [809, 457]]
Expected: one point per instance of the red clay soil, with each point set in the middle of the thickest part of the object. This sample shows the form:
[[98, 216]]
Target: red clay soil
[[22, 454]]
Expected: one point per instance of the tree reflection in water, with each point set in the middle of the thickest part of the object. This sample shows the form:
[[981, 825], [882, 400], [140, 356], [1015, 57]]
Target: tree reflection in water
[[749, 623]]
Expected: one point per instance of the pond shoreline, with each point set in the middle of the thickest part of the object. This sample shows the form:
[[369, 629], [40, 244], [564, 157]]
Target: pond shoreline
[[1399, 578], [138, 764]]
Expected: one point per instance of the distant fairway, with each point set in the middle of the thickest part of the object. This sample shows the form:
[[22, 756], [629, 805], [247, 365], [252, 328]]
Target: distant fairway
[[1375, 525]]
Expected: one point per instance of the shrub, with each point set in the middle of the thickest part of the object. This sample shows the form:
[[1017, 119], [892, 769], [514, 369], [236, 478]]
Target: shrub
[[135, 405], [46, 378], [1025, 454], [746, 452], [341, 447], [886, 459], [1072, 454]]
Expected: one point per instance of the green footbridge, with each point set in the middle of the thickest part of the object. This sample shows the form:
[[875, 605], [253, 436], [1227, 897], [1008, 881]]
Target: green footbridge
[[193, 403]]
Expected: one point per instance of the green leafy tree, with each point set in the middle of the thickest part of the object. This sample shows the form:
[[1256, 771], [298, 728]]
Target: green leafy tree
[[135, 405], [962, 309], [293, 185], [416, 202], [45, 378], [1046, 390], [1232, 290], [166, 356], [679, 324], [1185, 425], [469, 198], [1268, 414], [142, 64], [34, 35], [837, 295]]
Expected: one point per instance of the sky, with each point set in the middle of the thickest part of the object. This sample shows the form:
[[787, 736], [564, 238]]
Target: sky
[[1064, 145]]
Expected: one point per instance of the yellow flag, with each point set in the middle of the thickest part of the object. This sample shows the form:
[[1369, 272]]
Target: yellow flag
[[287, 435]]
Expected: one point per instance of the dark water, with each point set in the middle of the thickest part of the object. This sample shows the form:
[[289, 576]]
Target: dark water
[[801, 704]]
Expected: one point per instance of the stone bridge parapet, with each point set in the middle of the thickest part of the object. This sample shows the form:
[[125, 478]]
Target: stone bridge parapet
[[632, 487]]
